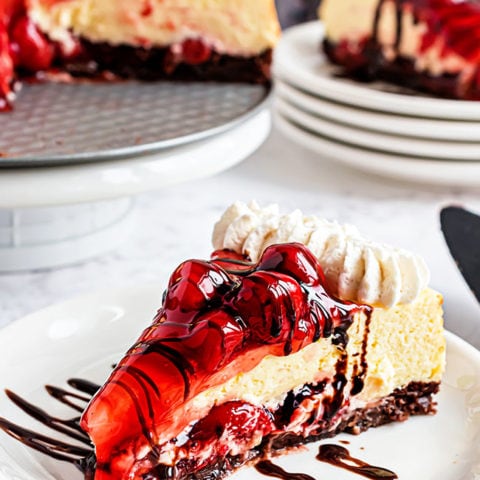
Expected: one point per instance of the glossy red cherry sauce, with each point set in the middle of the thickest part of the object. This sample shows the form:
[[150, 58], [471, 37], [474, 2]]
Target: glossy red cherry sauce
[[219, 318]]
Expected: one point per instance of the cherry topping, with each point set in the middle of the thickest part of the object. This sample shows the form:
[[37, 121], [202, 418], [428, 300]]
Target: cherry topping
[[33, 50], [147, 8], [193, 284], [232, 421], [350, 53], [71, 51], [299, 263], [6, 67], [195, 51], [14, 52]]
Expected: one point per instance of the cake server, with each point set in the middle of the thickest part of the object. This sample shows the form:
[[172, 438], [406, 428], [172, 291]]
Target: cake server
[[461, 230]]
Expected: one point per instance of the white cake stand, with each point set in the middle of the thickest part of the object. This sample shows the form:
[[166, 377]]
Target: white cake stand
[[60, 215]]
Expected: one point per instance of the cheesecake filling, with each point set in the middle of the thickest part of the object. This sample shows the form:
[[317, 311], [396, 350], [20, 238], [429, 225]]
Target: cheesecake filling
[[224, 26]]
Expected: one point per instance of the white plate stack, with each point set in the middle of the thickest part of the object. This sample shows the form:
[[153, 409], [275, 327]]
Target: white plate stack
[[375, 127]]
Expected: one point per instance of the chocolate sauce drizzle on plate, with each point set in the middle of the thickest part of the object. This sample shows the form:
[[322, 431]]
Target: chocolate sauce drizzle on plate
[[266, 467], [81, 457], [340, 457], [334, 455]]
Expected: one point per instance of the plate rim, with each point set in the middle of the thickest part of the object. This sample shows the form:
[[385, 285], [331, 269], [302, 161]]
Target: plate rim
[[391, 144], [438, 129], [360, 95], [387, 165]]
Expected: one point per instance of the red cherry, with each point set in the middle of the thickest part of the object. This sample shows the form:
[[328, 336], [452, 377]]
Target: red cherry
[[14, 51], [6, 66], [194, 284], [35, 52], [232, 422], [147, 9], [293, 259], [195, 51], [71, 51], [270, 303], [221, 335]]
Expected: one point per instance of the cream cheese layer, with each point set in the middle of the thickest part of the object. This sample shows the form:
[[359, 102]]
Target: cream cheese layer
[[244, 29]]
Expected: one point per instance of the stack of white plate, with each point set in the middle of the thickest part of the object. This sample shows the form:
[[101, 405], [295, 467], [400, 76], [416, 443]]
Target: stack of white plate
[[374, 127]]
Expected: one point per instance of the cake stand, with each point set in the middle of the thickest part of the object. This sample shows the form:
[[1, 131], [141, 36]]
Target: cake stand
[[62, 209]]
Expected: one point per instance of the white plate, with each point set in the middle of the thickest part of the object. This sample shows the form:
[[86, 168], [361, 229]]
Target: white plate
[[381, 142], [299, 61], [459, 131], [84, 337], [437, 172]]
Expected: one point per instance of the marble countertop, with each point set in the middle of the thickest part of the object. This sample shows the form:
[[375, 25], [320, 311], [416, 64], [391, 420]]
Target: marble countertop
[[176, 223]]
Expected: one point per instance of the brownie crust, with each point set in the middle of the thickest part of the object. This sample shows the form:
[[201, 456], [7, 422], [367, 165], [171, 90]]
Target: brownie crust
[[415, 399], [158, 63]]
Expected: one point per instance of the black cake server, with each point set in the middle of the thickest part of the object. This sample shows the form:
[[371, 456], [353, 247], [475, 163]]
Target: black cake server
[[461, 230]]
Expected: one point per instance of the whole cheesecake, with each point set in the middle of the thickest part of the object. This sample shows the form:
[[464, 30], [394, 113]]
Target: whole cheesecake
[[429, 45], [146, 39], [297, 329]]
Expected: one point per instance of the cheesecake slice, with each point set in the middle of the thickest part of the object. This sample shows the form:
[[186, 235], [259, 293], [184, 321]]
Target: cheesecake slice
[[248, 358], [429, 45], [145, 39]]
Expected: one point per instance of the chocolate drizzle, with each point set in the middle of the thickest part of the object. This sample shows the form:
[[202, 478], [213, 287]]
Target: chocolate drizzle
[[53, 447], [340, 457], [398, 23], [360, 368], [266, 467], [334, 455]]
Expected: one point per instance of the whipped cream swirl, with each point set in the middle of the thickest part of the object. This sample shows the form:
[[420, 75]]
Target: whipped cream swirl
[[356, 269]]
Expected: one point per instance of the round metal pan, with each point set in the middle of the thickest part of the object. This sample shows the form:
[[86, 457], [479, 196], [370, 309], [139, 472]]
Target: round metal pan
[[62, 124]]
